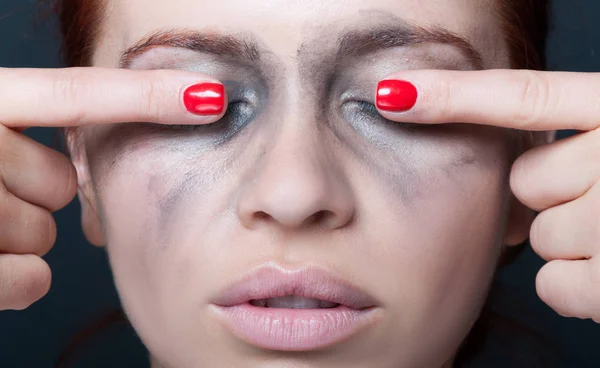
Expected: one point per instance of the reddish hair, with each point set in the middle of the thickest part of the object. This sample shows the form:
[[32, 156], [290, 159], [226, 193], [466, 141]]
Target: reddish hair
[[525, 26], [80, 23]]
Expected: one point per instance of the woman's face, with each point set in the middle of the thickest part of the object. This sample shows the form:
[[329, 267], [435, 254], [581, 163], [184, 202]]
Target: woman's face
[[301, 175]]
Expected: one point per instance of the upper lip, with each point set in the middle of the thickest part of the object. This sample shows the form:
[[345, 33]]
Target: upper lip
[[272, 281]]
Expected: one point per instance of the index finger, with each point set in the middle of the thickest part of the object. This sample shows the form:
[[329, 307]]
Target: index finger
[[80, 96], [518, 99]]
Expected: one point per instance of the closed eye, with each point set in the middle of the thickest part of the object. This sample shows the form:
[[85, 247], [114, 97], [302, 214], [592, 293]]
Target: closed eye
[[238, 112], [367, 110]]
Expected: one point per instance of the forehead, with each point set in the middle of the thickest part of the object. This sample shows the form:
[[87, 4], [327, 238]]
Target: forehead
[[283, 26]]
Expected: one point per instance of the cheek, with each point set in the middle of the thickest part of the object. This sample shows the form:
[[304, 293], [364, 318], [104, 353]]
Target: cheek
[[156, 204], [436, 214], [429, 220]]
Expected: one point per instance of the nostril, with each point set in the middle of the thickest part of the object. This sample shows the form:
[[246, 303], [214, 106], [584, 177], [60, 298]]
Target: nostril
[[263, 216], [319, 217]]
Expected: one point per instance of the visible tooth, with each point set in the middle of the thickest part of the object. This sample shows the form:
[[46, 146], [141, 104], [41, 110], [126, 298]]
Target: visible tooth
[[326, 304], [293, 302], [259, 303]]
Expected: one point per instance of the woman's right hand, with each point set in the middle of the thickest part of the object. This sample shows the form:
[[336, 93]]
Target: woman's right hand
[[36, 180]]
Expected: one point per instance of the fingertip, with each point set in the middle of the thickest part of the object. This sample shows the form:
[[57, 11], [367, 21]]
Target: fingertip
[[564, 286], [42, 280], [543, 283], [50, 237], [28, 279], [395, 96], [205, 99], [411, 96], [175, 97]]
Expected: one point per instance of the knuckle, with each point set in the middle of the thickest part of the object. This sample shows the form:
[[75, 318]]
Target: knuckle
[[25, 228], [534, 98], [70, 86], [443, 100], [150, 98]]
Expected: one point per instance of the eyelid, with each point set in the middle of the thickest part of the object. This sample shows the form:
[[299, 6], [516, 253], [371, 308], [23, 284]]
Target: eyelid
[[206, 126], [364, 104], [355, 96], [350, 95]]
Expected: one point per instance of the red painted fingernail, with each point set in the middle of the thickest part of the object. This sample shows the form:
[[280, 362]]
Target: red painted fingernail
[[396, 95], [205, 99]]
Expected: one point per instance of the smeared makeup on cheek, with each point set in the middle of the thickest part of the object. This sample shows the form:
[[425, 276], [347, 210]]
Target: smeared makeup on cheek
[[180, 164], [155, 169], [411, 160]]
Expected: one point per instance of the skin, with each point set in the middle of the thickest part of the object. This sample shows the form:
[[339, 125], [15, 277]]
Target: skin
[[559, 179], [185, 212], [36, 180], [428, 267]]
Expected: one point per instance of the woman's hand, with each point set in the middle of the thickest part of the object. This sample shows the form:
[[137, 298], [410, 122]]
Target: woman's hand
[[35, 180], [561, 179]]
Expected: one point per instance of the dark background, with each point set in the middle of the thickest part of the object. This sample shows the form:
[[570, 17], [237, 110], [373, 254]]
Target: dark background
[[82, 289]]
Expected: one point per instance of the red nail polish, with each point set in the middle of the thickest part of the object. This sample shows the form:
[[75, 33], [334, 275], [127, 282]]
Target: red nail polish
[[205, 99], [396, 95]]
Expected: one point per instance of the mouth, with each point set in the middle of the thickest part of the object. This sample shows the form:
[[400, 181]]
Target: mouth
[[294, 310], [294, 302]]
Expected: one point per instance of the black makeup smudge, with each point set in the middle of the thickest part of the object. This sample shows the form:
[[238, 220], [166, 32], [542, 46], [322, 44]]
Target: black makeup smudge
[[318, 68], [321, 68], [169, 204]]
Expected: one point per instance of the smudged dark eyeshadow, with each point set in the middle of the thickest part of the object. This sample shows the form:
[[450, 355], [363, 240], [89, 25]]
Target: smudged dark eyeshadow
[[358, 110], [365, 111], [244, 104], [347, 96]]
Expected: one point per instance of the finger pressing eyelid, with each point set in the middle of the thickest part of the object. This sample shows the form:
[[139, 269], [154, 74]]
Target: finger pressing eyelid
[[517, 99], [413, 97], [80, 96], [175, 97]]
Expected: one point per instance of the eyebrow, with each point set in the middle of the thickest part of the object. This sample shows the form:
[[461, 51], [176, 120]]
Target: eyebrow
[[359, 43], [354, 43], [234, 47]]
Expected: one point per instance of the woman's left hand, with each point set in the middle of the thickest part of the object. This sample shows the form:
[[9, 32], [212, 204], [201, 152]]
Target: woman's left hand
[[561, 179]]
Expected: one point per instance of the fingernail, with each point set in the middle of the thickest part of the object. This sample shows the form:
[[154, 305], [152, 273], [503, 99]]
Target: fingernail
[[396, 95], [205, 99]]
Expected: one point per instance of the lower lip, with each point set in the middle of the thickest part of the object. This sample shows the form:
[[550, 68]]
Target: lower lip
[[294, 329]]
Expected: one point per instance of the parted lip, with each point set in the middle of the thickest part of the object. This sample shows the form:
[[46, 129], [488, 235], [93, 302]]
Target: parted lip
[[271, 281]]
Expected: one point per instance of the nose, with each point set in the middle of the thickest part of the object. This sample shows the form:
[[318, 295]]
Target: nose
[[297, 184]]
